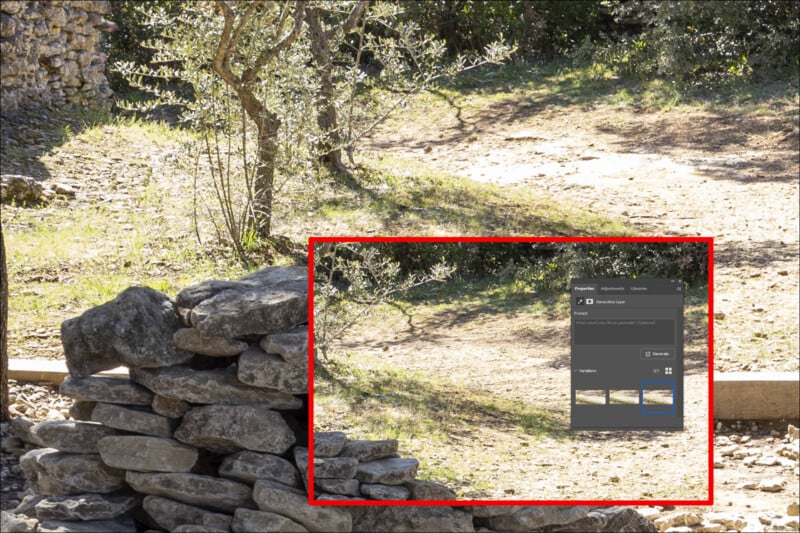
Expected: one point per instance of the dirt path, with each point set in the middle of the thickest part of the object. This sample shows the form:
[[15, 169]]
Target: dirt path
[[682, 172], [728, 176]]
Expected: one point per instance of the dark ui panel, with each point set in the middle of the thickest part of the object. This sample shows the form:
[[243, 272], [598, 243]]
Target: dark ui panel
[[626, 354]]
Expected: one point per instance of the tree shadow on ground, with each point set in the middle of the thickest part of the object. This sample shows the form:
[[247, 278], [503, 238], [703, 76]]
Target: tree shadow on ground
[[755, 254], [433, 406], [30, 132]]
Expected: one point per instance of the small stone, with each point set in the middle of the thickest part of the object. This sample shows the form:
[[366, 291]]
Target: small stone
[[328, 443], [71, 436], [85, 507], [771, 485], [335, 468], [169, 514], [728, 450], [792, 432], [106, 389], [231, 428], [746, 485], [147, 454], [249, 466], [247, 521], [727, 520], [393, 471], [169, 407], [191, 340], [293, 503], [793, 509], [614, 479], [133, 420], [370, 450], [767, 460], [211, 492], [377, 491]]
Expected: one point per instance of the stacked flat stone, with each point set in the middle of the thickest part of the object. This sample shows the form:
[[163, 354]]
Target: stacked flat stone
[[50, 53], [209, 431], [366, 469], [217, 381]]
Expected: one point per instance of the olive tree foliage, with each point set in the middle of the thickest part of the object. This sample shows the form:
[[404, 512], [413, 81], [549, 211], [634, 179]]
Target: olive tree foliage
[[277, 86], [350, 280]]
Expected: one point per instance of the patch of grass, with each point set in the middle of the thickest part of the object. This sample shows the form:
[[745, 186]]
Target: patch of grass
[[396, 403], [398, 198]]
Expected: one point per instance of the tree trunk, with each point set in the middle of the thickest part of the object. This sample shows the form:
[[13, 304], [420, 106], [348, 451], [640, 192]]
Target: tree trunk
[[4, 414], [330, 145], [267, 125]]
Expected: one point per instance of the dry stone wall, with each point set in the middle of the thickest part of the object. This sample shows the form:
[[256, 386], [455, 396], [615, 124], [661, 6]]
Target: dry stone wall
[[209, 432], [49, 53]]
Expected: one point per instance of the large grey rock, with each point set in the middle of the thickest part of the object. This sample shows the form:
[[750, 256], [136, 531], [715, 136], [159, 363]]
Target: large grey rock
[[133, 329], [293, 278], [133, 420], [247, 521], [169, 514], [117, 525], [147, 454], [249, 466], [261, 369], [622, 519], [105, 389], [211, 492], [377, 491], [388, 471], [292, 503], [335, 467], [370, 450], [28, 505], [85, 506], [328, 443], [292, 346], [231, 428], [261, 311], [538, 517], [217, 386], [412, 519], [191, 340], [345, 487], [17, 523], [169, 407], [55, 473], [429, 490], [71, 436]]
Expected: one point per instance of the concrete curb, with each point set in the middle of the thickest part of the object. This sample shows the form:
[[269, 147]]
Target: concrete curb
[[48, 370], [757, 396]]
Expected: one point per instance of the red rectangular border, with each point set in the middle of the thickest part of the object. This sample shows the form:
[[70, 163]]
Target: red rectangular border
[[451, 503]]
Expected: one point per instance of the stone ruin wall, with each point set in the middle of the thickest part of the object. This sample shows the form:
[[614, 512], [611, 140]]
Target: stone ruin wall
[[50, 53], [209, 431]]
